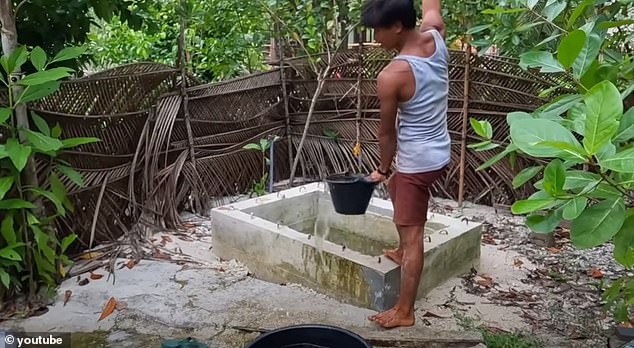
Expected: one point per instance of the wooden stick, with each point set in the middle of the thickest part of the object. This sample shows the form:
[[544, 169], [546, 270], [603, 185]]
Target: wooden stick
[[465, 124], [287, 117]]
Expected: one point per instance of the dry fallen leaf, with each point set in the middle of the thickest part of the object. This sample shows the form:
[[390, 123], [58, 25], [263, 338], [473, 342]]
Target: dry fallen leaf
[[553, 250], [596, 273], [90, 256], [518, 263], [159, 255], [108, 309], [188, 225], [67, 296], [131, 264], [95, 276], [167, 239], [486, 281]]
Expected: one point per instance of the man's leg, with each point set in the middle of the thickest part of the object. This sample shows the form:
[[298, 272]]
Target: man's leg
[[395, 255], [402, 314]]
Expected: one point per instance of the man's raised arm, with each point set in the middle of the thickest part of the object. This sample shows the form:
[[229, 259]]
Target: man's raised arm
[[432, 16]]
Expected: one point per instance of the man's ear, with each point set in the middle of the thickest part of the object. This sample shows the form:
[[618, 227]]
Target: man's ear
[[398, 27]]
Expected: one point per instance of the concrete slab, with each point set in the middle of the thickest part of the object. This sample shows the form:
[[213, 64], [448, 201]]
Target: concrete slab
[[296, 236]]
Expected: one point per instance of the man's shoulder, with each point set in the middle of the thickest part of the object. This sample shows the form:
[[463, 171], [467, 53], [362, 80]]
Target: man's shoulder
[[394, 71]]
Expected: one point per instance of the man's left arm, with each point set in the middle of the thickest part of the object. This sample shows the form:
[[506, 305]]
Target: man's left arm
[[387, 90]]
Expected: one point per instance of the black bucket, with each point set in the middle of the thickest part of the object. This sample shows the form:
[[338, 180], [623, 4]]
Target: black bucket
[[350, 193], [309, 336]]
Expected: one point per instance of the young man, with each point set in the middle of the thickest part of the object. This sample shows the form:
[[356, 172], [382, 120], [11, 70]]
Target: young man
[[414, 87]]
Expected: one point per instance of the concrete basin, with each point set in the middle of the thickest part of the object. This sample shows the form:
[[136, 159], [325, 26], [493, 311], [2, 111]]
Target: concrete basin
[[296, 236]]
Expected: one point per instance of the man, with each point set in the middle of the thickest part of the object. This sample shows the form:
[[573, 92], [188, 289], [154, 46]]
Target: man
[[413, 86]]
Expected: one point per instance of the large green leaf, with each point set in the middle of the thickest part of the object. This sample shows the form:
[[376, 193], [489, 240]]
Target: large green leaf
[[69, 53], [18, 153], [38, 58], [574, 153], [577, 118], [598, 224], [622, 162], [5, 185], [574, 208], [544, 223], [15, 203], [41, 124], [531, 205], [42, 77], [542, 59], [526, 175], [32, 93], [72, 174], [554, 9], [570, 47], [10, 254], [587, 56], [559, 105], [5, 114], [41, 142], [74, 142], [554, 178], [604, 109], [624, 243], [626, 127], [7, 229], [528, 134], [519, 115]]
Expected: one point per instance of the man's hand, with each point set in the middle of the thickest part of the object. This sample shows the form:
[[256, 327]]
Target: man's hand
[[432, 16], [377, 177]]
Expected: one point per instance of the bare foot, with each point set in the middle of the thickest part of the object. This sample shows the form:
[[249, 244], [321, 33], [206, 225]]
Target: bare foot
[[395, 255], [394, 318]]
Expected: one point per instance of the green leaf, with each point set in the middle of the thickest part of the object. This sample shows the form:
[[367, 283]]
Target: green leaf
[[72, 174], [56, 132], [252, 147], [604, 110], [47, 76], [5, 278], [5, 185], [10, 254], [531, 205], [542, 59], [560, 105], [528, 134], [501, 10], [18, 153], [69, 53], [484, 146], [482, 128], [38, 92], [31, 219], [626, 127], [520, 115], [15, 203], [613, 24], [598, 224], [553, 10], [495, 159], [41, 124], [622, 162], [624, 244], [570, 47], [67, 241], [5, 114], [544, 223], [478, 28], [41, 142], [51, 197], [526, 175], [574, 208], [16, 59], [7, 229], [547, 40], [554, 178], [578, 12], [38, 58], [587, 56], [577, 118], [74, 142], [570, 152]]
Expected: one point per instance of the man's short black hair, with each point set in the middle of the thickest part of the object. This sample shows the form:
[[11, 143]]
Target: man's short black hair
[[386, 13]]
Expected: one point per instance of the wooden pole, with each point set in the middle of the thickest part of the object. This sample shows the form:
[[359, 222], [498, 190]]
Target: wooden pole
[[359, 101], [287, 117], [185, 103], [465, 124]]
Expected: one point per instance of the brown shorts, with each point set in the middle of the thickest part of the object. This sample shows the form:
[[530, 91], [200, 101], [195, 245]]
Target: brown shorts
[[410, 196]]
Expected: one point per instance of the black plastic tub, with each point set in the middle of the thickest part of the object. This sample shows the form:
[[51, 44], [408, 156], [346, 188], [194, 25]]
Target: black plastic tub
[[350, 193], [309, 336]]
